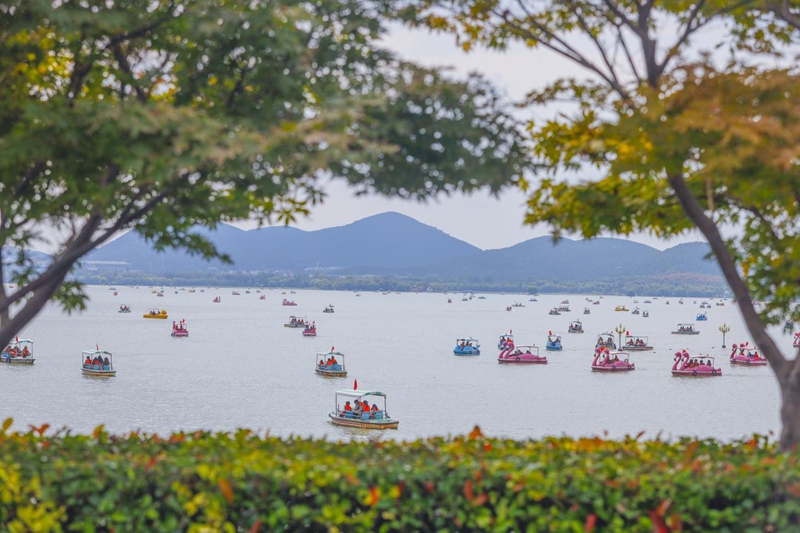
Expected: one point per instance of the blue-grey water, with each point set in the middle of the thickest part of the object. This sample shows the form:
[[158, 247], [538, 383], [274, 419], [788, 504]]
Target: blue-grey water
[[241, 368]]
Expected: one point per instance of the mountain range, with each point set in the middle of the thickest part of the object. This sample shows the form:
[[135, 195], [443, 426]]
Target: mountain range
[[391, 243]]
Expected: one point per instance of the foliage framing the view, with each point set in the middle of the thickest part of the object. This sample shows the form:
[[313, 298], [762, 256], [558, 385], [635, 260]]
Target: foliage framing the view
[[683, 134], [163, 114], [246, 482]]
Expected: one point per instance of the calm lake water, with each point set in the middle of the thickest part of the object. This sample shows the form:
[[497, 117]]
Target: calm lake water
[[241, 368]]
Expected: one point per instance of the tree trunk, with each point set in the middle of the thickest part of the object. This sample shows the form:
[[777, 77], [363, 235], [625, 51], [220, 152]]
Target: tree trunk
[[790, 415]]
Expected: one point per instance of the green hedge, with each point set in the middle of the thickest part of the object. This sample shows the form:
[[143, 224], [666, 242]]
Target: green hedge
[[246, 482]]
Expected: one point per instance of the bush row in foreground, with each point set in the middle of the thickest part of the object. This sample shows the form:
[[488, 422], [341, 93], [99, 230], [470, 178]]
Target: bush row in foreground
[[246, 482]]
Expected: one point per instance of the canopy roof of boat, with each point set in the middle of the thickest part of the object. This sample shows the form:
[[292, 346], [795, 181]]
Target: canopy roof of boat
[[358, 393], [690, 325], [470, 339], [576, 322], [157, 310], [506, 335], [16, 341], [699, 357], [292, 316], [330, 353], [605, 334], [523, 347], [96, 352], [635, 336], [619, 354]]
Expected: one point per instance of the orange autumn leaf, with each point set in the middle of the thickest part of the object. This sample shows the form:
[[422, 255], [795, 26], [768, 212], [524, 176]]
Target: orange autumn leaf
[[590, 523], [226, 489]]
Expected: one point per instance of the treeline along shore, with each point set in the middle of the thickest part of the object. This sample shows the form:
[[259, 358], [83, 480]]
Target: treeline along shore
[[666, 285]]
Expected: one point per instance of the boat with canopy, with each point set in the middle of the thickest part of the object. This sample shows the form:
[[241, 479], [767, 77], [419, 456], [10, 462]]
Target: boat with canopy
[[18, 352], [353, 409], [331, 364], [97, 363]]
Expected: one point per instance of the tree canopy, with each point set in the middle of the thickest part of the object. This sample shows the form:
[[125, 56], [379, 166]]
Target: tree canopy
[[162, 114], [690, 113]]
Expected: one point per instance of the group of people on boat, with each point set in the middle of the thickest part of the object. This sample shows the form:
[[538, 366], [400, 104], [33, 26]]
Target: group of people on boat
[[297, 322], [97, 363], [685, 329], [15, 351], [637, 342], [329, 364], [310, 328], [465, 344], [357, 408], [607, 359], [156, 312], [124, 309]]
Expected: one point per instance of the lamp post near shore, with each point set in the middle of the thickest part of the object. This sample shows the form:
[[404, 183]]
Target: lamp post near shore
[[620, 330], [724, 328]]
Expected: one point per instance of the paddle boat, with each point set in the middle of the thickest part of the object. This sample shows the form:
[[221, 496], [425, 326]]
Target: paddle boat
[[530, 300], [564, 302], [636, 311], [746, 355], [468, 346], [645, 314], [586, 311], [521, 355], [296, 322], [575, 327], [449, 301], [686, 365], [247, 292], [235, 293], [517, 304], [621, 308], [97, 363], [112, 288], [667, 302], [124, 308], [796, 342], [605, 340], [505, 340], [563, 308], [636, 343], [358, 295], [288, 302], [608, 361], [180, 329], [553, 343], [554, 311], [509, 308], [310, 330], [680, 301], [292, 292], [116, 293], [596, 302], [160, 294], [262, 297], [686, 329], [705, 305], [789, 326], [720, 304], [701, 317], [328, 309], [647, 302], [465, 299], [156, 313], [330, 364], [217, 300], [350, 410], [18, 352]]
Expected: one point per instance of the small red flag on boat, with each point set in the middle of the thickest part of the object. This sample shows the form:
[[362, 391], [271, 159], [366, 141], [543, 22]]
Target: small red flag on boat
[[628, 333], [549, 332], [16, 338], [332, 348], [355, 384], [510, 331], [97, 347]]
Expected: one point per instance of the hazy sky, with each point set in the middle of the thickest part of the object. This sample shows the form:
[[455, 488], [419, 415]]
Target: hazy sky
[[478, 219]]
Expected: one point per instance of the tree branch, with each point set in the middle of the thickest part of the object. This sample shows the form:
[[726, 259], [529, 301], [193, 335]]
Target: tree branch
[[742, 294]]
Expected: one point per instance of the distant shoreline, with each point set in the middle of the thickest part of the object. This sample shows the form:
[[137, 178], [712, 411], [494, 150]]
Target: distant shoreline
[[675, 285]]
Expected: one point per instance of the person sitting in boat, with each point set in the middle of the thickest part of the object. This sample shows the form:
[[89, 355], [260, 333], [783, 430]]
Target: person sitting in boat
[[357, 408], [321, 363], [88, 361], [347, 408], [528, 352], [25, 352]]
